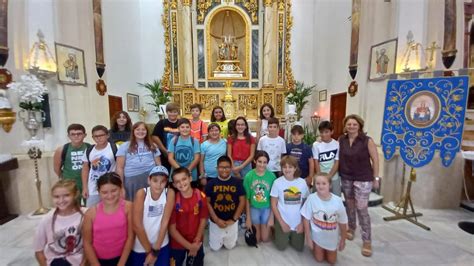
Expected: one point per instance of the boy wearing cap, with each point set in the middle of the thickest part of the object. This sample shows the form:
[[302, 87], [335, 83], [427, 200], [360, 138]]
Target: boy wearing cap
[[152, 210], [225, 201]]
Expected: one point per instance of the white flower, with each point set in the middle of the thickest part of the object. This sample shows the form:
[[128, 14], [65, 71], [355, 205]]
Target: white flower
[[290, 95], [29, 88]]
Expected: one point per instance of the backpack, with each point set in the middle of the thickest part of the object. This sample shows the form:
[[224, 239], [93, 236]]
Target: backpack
[[64, 152], [89, 149], [198, 194], [175, 141]]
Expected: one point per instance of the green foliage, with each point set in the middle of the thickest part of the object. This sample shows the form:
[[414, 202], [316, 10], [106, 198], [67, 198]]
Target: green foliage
[[31, 106], [157, 93], [298, 97], [309, 135]]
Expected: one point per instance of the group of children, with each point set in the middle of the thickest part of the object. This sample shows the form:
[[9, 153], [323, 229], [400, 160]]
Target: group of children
[[205, 178]]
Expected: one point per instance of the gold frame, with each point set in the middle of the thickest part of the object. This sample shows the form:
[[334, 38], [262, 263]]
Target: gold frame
[[248, 32]]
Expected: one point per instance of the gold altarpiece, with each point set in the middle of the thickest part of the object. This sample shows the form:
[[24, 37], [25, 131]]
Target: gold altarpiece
[[233, 53]]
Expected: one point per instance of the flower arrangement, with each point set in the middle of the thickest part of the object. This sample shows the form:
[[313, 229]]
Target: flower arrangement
[[298, 96], [30, 90], [160, 95]]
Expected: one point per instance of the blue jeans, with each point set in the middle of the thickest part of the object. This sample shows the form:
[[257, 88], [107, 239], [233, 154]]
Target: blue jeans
[[162, 260], [244, 170], [259, 216], [178, 256]]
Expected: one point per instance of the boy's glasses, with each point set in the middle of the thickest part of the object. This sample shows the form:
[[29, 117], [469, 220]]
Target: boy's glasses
[[224, 167], [76, 134], [99, 136]]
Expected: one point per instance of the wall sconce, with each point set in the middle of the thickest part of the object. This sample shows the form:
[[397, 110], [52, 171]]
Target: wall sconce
[[41, 62]]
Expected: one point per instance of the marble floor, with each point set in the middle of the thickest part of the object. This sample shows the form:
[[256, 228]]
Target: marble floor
[[394, 243]]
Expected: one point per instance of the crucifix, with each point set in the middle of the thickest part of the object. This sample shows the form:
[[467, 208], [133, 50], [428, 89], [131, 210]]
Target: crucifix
[[431, 52]]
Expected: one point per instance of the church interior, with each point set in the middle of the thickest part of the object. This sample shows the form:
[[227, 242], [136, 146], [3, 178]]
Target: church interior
[[92, 58]]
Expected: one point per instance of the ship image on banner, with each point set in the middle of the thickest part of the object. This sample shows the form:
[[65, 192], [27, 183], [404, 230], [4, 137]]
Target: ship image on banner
[[422, 116]]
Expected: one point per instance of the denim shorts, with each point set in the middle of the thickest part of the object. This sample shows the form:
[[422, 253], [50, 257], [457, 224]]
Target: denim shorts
[[244, 170], [259, 216]]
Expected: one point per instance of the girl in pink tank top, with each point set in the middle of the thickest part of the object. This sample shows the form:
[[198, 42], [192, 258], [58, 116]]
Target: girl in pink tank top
[[108, 235]]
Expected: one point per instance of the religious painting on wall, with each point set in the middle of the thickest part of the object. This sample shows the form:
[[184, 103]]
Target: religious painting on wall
[[422, 116], [71, 67], [133, 102], [383, 58]]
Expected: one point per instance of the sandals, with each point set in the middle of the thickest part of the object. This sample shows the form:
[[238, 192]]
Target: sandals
[[366, 249], [350, 234]]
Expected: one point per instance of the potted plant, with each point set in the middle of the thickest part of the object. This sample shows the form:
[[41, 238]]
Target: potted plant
[[298, 96], [159, 94]]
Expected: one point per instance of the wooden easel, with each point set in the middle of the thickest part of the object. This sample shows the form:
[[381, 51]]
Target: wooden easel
[[401, 210]]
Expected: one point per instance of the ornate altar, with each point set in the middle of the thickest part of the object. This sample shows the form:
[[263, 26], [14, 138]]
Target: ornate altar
[[228, 52]]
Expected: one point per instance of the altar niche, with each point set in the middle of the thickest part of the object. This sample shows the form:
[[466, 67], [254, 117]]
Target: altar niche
[[228, 44], [233, 53]]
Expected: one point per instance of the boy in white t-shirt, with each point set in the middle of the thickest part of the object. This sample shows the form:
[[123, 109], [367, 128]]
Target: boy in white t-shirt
[[325, 221], [98, 160], [326, 156], [288, 194], [274, 145]]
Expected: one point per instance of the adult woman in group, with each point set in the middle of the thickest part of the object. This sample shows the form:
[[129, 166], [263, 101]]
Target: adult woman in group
[[359, 171]]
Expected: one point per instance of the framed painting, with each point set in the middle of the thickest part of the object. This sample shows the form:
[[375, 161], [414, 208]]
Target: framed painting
[[133, 102], [71, 67], [323, 95], [383, 58]]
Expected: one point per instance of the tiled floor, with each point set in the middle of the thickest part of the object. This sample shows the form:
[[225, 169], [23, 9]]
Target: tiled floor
[[394, 243]]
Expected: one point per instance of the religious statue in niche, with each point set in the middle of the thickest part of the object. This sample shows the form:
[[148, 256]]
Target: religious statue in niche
[[228, 31]]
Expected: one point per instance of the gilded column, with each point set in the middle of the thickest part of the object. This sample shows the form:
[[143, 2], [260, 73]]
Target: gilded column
[[3, 32], [269, 44], [187, 42]]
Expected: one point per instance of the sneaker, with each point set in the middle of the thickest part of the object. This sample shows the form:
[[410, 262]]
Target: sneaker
[[242, 220], [366, 249], [350, 234]]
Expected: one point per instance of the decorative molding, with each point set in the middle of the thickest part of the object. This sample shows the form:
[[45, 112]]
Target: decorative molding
[[203, 6], [290, 80], [279, 104], [267, 98], [268, 3], [165, 79], [208, 100], [187, 2], [188, 99]]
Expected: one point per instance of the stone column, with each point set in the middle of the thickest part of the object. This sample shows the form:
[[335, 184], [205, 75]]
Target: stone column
[[186, 34], [269, 44]]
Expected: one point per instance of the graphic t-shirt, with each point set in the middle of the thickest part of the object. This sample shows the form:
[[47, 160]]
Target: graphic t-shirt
[[326, 154], [324, 217], [184, 151], [212, 152], [101, 162], [275, 147], [257, 188], [302, 153], [291, 195], [165, 131], [73, 162], [224, 128], [187, 216], [64, 242], [198, 130], [140, 162], [224, 196], [240, 148], [119, 137]]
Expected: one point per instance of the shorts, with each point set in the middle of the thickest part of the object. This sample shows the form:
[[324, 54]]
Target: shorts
[[244, 170], [163, 259], [226, 237], [92, 200], [259, 216]]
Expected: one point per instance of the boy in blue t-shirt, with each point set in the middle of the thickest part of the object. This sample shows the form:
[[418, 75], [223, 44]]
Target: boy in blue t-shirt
[[302, 153], [225, 202], [183, 150]]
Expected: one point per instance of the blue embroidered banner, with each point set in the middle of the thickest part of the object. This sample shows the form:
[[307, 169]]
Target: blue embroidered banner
[[422, 116]]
